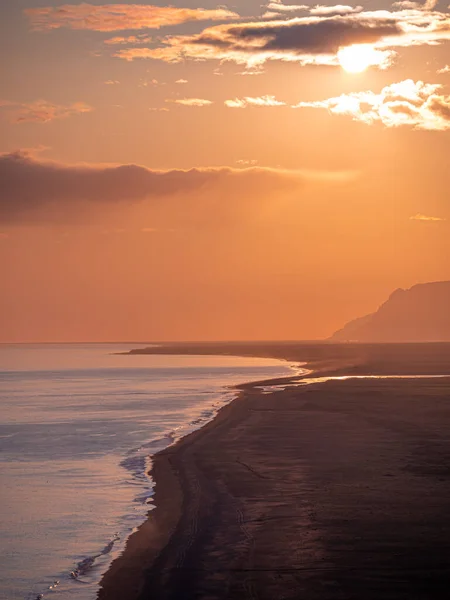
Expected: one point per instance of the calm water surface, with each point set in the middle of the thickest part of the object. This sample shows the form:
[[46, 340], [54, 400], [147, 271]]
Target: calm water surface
[[78, 427]]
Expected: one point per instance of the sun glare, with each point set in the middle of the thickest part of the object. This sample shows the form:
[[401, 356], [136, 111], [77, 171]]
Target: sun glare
[[356, 59]]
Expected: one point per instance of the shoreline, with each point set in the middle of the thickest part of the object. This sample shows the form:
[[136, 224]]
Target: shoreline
[[201, 480], [144, 544]]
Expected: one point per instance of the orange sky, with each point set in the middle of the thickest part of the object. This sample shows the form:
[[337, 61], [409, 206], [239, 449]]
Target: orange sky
[[171, 174]]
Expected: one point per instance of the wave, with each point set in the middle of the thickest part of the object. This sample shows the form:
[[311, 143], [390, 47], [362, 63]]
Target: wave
[[85, 565]]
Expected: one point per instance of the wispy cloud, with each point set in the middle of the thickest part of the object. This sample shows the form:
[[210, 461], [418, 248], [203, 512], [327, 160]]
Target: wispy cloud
[[42, 111], [245, 162], [256, 101], [129, 39], [445, 69], [181, 81], [111, 82], [421, 217], [275, 8], [278, 6], [412, 103], [410, 4], [117, 17], [149, 82], [312, 39], [198, 102]]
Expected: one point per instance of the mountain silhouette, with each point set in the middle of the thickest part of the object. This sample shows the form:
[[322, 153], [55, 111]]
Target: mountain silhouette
[[419, 314]]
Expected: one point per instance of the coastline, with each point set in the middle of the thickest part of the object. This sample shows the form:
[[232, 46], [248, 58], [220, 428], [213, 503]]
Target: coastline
[[126, 575], [236, 502]]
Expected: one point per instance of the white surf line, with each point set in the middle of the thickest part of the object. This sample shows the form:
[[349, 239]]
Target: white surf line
[[267, 389]]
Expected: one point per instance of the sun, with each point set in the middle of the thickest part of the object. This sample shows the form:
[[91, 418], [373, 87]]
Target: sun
[[357, 58]]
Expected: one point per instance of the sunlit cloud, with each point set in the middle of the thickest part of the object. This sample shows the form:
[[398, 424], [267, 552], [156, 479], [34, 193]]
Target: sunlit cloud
[[410, 4], [181, 81], [407, 103], [244, 162], [149, 82], [117, 17], [336, 9], [312, 39], [278, 6], [129, 39], [130, 54], [111, 82], [257, 101], [42, 111], [445, 69], [421, 217], [258, 70], [198, 102]]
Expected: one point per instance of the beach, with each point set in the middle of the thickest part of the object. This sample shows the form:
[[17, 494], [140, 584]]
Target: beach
[[310, 488]]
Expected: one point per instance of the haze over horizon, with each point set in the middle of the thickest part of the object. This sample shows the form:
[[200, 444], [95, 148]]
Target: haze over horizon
[[245, 172]]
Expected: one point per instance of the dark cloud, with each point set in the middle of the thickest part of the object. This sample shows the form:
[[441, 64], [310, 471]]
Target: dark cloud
[[31, 187], [441, 106], [325, 36]]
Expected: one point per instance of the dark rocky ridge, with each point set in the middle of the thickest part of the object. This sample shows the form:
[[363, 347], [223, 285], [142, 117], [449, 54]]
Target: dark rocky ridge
[[419, 314]]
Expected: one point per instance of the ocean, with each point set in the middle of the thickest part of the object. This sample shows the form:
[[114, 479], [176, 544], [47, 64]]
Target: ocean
[[79, 424]]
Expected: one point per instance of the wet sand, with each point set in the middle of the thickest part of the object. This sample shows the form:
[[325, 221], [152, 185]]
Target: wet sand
[[333, 490]]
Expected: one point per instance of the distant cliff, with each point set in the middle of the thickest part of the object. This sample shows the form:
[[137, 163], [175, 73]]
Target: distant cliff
[[420, 314]]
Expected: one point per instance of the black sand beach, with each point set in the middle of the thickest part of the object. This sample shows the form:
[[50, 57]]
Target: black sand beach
[[331, 490]]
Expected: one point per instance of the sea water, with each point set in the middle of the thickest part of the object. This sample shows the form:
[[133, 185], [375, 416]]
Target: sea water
[[79, 424]]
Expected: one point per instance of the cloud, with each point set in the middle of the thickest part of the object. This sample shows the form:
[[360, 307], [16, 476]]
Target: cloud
[[198, 102], [336, 9], [129, 39], [39, 190], [245, 162], [258, 70], [421, 217], [410, 4], [416, 104], [445, 69], [181, 81], [258, 101], [312, 39], [111, 82], [42, 111], [148, 82], [117, 17], [278, 6], [130, 54]]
